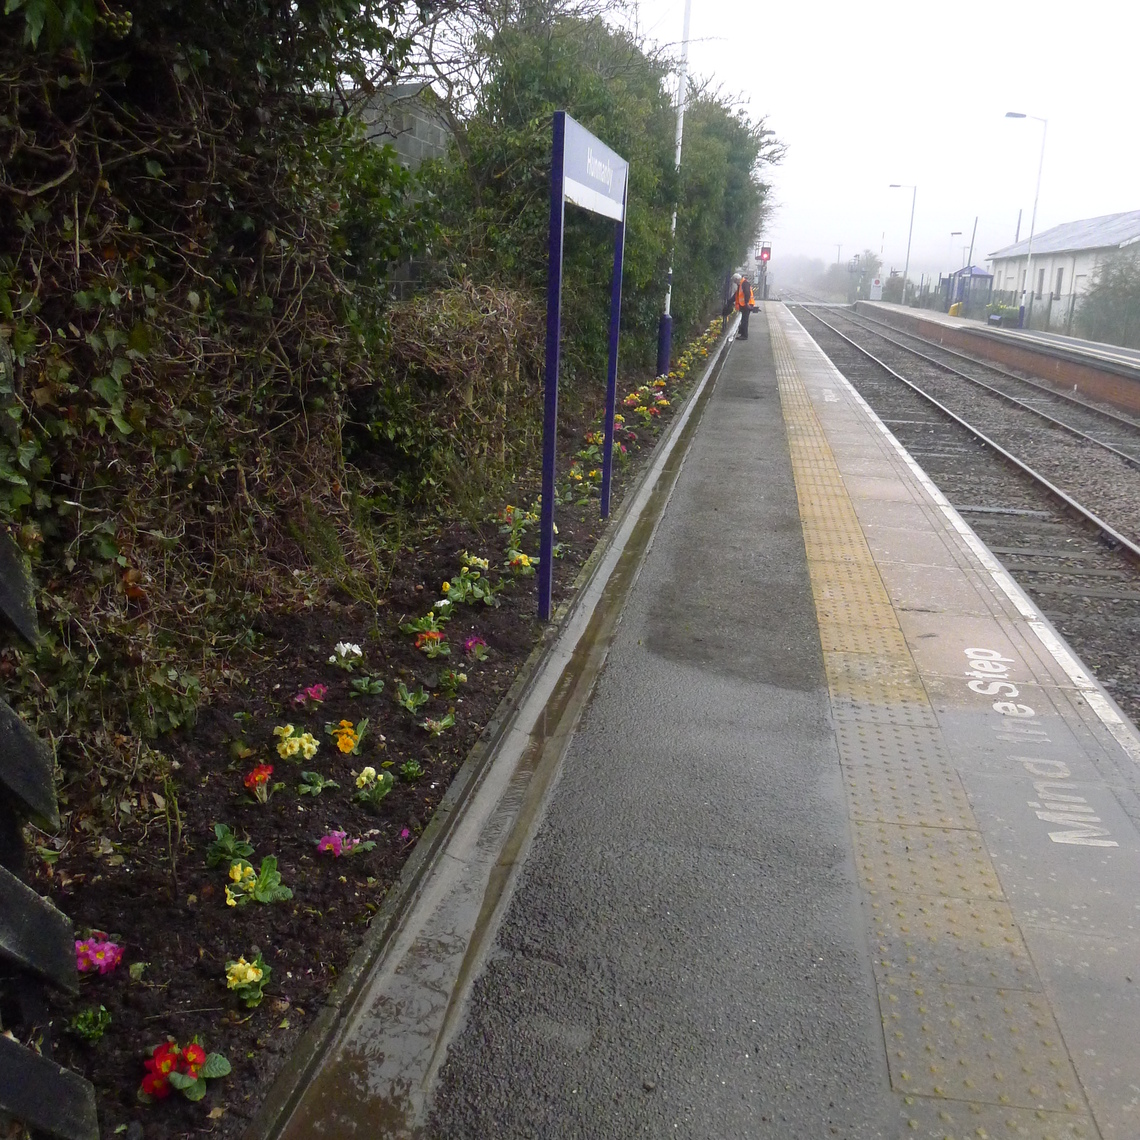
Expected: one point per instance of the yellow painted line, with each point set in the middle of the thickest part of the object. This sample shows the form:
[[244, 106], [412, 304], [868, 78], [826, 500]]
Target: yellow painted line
[[972, 1044]]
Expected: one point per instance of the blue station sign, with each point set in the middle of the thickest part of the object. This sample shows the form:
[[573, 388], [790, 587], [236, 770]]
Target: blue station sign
[[594, 176], [586, 173]]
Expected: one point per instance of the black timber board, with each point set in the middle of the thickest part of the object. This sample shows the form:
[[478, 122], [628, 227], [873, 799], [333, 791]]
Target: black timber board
[[17, 602], [26, 769], [36, 935], [45, 1096]]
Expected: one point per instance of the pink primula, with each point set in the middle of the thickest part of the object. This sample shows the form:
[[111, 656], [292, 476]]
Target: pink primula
[[97, 954], [314, 694], [338, 842]]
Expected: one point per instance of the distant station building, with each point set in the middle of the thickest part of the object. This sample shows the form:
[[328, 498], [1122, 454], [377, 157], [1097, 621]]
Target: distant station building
[[1064, 261]]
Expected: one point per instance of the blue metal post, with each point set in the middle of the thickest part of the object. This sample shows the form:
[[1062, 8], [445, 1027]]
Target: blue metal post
[[553, 338], [665, 339], [611, 373]]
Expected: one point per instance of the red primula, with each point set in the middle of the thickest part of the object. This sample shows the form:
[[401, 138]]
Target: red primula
[[260, 775], [159, 1065], [193, 1058]]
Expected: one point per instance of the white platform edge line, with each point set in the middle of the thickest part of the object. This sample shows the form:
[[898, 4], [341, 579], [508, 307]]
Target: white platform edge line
[[1098, 700]]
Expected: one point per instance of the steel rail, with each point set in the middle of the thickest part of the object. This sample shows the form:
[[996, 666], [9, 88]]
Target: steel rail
[[1127, 421], [1106, 529], [1131, 460]]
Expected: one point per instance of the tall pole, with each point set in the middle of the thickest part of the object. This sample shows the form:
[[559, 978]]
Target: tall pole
[[1027, 285], [665, 329], [910, 232], [909, 235]]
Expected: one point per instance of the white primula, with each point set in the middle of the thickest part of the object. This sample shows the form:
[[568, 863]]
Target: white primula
[[346, 654]]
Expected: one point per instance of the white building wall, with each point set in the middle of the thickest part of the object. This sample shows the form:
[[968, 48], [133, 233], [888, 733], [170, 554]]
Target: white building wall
[[1076, 269]]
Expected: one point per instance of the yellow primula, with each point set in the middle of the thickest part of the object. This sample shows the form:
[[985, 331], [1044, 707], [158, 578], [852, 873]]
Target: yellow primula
[[242, 973]]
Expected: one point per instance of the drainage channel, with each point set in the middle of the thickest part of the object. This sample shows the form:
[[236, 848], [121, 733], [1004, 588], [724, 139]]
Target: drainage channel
[[370, 1068]]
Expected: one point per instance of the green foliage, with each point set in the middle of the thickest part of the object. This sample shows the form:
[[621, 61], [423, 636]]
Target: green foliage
[[313, 783], [411, 701], [469, 586], [261, 886], [494, 195], [432, 622], [1110, 310], [366, 686], [90, 1024], [436, 726], [192, 257], [226, 847], [410, 771]]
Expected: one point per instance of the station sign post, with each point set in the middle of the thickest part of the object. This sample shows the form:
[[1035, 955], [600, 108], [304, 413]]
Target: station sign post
[[585, 172]]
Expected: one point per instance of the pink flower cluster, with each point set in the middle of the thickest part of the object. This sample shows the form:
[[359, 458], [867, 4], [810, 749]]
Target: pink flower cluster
[[313, 695], [97, 954], [338, 842]]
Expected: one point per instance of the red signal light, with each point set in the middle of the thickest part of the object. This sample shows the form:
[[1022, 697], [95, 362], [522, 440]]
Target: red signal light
[[765, 252]]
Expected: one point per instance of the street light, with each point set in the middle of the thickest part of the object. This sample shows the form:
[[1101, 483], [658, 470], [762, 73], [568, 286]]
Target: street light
[[1028, 284], [665, 325], [910, 232]]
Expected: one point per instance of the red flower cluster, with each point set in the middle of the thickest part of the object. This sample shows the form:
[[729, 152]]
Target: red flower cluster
[[429, 637], [259, 777], [166, 1059]]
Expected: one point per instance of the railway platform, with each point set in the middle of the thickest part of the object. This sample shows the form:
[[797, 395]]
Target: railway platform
[[809, 825], [1104, 372], [1097, 350]]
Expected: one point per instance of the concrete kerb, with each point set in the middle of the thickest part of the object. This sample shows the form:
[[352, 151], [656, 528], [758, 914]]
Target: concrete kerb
[[305, 1058]]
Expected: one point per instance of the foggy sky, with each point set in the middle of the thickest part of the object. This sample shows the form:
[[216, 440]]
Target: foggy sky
[[869, 94]]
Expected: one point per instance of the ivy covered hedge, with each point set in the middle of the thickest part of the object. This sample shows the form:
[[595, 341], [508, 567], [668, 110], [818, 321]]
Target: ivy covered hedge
[[210, 404], [188, 297]]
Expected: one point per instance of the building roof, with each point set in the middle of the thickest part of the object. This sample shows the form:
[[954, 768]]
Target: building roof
[[1113, 231], [974, 271]]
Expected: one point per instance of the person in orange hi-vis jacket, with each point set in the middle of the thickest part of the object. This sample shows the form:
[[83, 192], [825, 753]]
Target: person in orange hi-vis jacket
[[745, 303]]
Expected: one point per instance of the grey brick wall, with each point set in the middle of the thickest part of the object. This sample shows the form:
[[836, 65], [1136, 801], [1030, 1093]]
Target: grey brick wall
[[404, 117]]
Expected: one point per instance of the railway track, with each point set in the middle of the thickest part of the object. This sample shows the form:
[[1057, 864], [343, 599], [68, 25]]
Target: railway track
[[1032, 489], [1102, 424]]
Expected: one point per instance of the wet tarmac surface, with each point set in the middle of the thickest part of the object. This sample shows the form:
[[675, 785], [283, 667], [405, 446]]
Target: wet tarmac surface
[[684, 952]]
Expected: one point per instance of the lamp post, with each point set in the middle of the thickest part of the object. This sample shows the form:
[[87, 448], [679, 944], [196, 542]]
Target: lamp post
[[1026, 288], [910, 232], [665, 325]]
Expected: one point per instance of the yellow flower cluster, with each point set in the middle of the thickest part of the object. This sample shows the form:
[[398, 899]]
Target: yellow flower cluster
[[292, 742], [243, 973], [366, 778], [243, 876], [347, 738], [474, 561]]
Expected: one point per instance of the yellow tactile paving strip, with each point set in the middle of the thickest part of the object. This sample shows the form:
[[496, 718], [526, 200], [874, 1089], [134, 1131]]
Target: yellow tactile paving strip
[[972, 1045]]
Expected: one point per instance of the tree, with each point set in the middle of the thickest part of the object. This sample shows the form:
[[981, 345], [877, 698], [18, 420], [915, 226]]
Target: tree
[[535, 57], [1110, 310]]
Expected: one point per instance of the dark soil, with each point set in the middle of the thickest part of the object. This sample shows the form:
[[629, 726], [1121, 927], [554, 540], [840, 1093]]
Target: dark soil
[[172, 914]]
